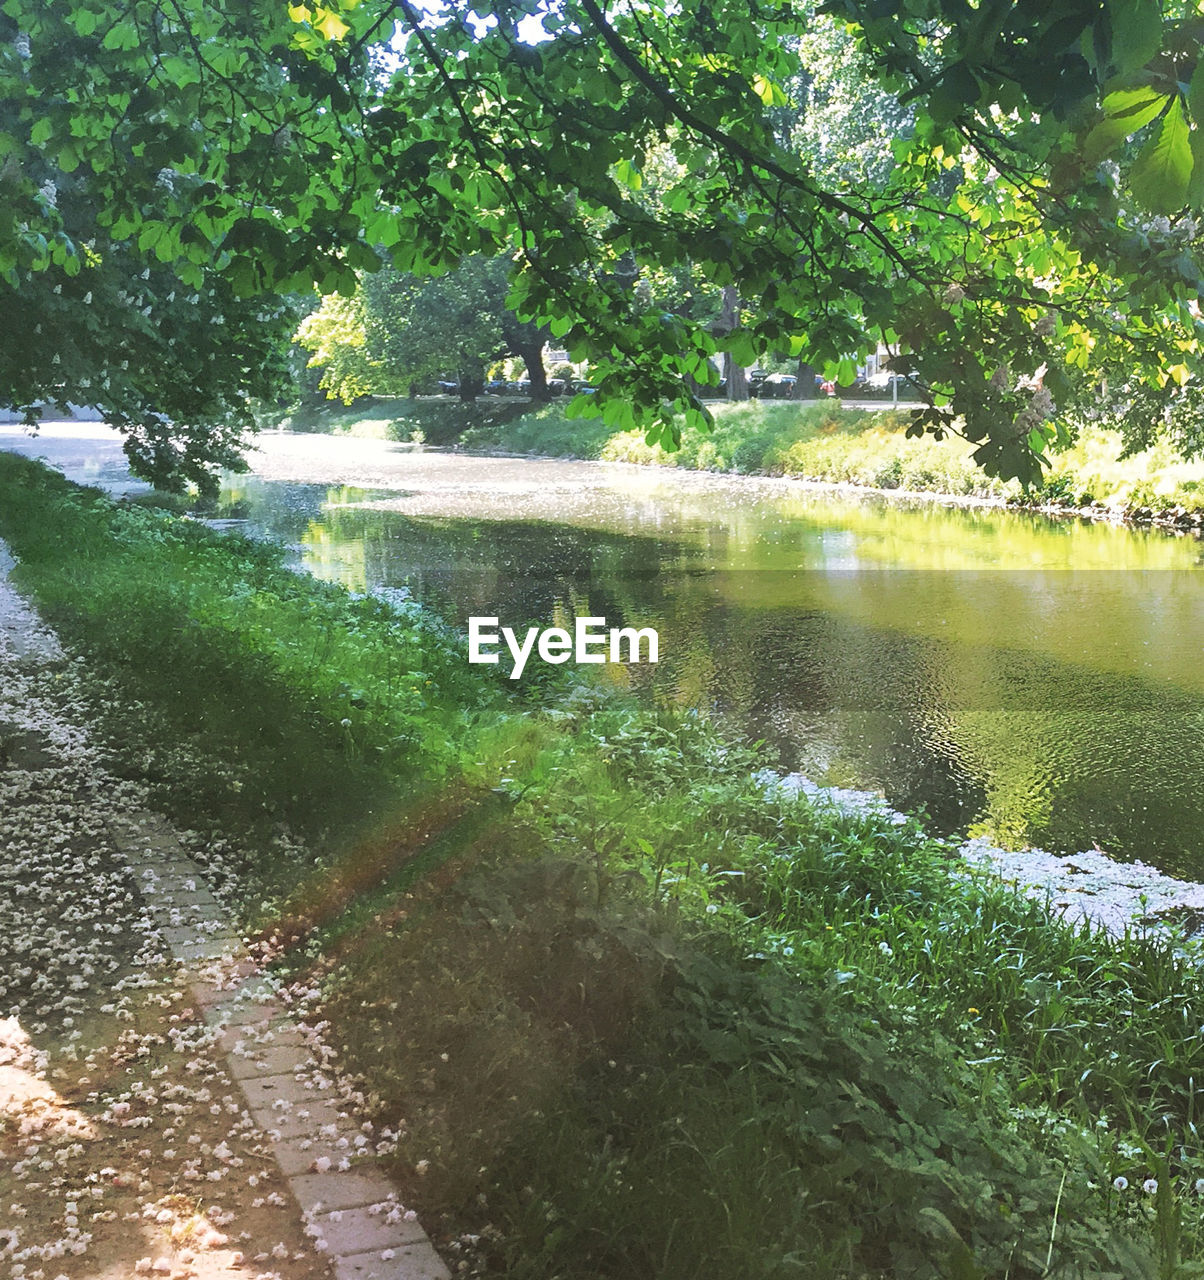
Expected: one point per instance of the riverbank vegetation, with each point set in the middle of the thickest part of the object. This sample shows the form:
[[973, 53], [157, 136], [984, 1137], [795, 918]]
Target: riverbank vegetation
[[798, 1043], [817, 440], [632, 1012]]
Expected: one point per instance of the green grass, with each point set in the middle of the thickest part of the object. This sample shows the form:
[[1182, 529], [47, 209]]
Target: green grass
[[542, 431], [667, 1026], [629, 1016], [432, 420], [820, 441], [368, 417], [241, 688]]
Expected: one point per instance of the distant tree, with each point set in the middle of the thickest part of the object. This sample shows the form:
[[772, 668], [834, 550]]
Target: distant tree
[[259, 148], [843, 119], [401, 329]]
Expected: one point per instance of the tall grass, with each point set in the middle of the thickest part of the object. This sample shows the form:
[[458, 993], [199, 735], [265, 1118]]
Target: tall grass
[[817, 440], [436, 421]]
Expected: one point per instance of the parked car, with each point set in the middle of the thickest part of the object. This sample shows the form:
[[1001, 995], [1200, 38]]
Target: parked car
[[778, 386]]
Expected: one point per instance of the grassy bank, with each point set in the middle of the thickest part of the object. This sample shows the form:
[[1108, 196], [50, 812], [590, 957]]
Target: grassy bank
[[817, 441], [430, 419], [630, 1016], [823, 441]]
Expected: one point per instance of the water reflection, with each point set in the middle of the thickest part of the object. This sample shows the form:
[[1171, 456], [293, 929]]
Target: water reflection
[[997, 670]]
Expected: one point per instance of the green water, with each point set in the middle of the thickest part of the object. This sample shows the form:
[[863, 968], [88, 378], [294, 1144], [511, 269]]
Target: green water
[[1038, 681], [1041, 681]]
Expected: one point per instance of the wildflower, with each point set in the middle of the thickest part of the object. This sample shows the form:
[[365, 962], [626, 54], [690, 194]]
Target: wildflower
[[1120, 1184], [971, 1009], [1150, 1186]]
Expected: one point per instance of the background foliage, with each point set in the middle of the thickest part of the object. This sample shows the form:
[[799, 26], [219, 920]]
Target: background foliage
[[1027, 209]]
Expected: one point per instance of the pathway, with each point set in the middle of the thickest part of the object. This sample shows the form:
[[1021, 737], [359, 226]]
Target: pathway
[[161, 1113]]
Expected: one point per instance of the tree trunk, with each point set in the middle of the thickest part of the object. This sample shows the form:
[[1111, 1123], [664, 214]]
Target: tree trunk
[[729, 319], [737, 378], [526, 340], [532, 357], [472, 383], [804, 382]]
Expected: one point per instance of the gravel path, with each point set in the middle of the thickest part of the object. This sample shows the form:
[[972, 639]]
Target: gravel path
[[146, 1105]]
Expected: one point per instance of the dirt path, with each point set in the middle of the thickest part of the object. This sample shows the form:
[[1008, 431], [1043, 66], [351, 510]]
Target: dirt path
[[126, 1146]]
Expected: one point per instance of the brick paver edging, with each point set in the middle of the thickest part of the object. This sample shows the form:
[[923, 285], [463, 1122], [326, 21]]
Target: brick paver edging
[[354, 1210]]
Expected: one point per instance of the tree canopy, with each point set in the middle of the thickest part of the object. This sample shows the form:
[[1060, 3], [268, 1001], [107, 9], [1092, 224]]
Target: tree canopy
[[1029, 231], [402, 329]]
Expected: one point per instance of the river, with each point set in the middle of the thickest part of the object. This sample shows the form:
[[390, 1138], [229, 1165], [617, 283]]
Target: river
[[1037, 680]]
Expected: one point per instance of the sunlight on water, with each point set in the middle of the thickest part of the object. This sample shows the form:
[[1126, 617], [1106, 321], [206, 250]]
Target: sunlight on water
[[1039, 680]]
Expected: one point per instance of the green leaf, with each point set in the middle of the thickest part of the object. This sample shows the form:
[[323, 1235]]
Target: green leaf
[[41, 131], [123, 35], [1126, 112], [1195, 95], [769, 93], [1195, 187], [1136, 32], [329, 24], [743, 347], [629, 175], [1162, 170]]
